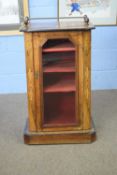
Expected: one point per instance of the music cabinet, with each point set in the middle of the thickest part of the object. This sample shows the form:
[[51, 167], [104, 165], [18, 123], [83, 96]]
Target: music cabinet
[[58, 66]]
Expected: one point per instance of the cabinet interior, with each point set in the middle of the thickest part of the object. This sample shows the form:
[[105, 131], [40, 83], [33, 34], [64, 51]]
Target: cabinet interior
[[59, 83]]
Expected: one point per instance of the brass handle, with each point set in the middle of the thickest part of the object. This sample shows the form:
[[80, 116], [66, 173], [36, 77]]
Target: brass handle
[[86, 19], [26, 20]]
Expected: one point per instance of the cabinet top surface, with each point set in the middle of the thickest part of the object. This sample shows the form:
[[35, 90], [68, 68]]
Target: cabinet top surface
[[53, 25]]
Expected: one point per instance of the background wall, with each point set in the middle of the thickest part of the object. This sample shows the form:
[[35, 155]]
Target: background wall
[[12, 56]]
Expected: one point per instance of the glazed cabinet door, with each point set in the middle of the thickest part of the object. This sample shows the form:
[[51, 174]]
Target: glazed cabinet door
[[61, 67]]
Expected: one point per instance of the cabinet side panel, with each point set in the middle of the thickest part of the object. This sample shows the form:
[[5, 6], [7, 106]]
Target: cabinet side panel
[[87, 81], [30, 81]]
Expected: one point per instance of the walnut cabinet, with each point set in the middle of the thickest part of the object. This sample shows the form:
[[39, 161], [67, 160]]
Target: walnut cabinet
[[58, 66]]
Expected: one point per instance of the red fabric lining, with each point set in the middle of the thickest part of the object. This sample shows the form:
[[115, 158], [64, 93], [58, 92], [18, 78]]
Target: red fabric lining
[[58, 46], [59, 82], [61, 66], [59, 109]]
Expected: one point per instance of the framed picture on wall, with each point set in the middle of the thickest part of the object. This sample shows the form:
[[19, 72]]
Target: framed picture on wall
[[11, 14], [100, 12]]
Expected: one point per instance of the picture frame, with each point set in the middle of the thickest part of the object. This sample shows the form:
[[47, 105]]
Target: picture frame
[[100, 12], [12, 13]]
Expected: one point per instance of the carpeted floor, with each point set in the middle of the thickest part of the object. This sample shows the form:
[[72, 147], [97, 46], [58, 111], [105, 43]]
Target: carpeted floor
[[99, 158]]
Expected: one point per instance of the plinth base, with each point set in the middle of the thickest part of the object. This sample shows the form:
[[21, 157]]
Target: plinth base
[[87, 136]]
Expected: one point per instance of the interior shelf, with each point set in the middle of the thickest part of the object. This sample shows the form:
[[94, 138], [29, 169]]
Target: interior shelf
[[59, 83], [60, 66], [64, 46]]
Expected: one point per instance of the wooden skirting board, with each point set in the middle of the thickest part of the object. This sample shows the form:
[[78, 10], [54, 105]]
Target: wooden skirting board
[[33, 138]]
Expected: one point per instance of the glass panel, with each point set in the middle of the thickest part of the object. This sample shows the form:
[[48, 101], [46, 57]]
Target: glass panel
[[58, 58]]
